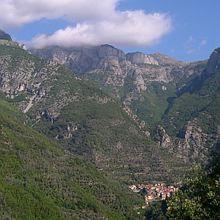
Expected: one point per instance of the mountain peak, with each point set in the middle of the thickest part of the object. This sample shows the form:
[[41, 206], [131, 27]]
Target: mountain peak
[[214, 61], [164, 59], [107, 46], [5, 36], [107, 50], [141, 58]]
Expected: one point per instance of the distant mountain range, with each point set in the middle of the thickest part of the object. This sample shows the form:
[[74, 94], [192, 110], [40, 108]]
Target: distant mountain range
[[142, 82], [83, 118], [151, 87]]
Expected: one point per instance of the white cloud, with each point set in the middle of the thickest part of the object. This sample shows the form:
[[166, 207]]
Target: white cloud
[[20, 12], [96, 22], [129, 29]]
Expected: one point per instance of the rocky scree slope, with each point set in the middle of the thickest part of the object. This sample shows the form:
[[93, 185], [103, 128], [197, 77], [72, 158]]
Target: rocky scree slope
[[83, 118]]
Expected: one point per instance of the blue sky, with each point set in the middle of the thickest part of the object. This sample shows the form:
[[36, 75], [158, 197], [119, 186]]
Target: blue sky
[[193, 35], [195, 26]]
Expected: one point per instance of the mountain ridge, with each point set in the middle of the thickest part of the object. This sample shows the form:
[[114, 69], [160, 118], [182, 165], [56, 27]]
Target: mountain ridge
[[140, 95], [146, 84], [130, 77], [82, 117], [193, 115]]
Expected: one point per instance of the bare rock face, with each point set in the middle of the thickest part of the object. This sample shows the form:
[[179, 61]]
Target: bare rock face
[[196, 144], [108, 51], [139, 81], [26, 83], [165, 60], [112, 67], [84, 59], [193, 146], [212, 66], [165, 139], [87, 60], [141, 58]]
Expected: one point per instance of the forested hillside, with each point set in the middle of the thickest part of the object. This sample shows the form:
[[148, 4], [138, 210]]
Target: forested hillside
[[40, 180]]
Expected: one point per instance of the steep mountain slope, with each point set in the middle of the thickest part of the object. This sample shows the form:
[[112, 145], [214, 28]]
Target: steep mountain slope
[[83, 118], [39, 180], [182, 98], [194, 114], [142, 82]]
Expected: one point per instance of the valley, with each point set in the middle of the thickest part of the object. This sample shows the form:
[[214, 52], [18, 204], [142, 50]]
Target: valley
[[82, 117], [158, 92], [79, 125]]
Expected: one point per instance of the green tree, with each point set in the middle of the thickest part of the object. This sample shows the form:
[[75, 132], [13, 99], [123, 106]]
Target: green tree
[[199, 197], [156, 210]]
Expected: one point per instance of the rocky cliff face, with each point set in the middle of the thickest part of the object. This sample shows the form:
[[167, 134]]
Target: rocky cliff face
[[84, 59], [193, 146], [80, 116], [114, 62], [21, 80], [134, 78], [145, 84], [141, 58], [110, 66]]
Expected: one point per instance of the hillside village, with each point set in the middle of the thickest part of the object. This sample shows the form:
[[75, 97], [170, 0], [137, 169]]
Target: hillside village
[[154, 192]]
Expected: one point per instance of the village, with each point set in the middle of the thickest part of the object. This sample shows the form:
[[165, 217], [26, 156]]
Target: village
[[154, 192]]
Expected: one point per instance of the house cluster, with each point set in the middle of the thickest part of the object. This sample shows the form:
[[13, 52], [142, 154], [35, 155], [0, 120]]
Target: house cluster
[[154, 192]]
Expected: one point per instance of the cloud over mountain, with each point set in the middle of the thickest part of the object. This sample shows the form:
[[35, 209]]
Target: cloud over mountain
[[92, 22]]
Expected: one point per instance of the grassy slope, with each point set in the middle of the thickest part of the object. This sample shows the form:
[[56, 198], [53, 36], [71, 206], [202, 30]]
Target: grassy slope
[[38, 180]]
